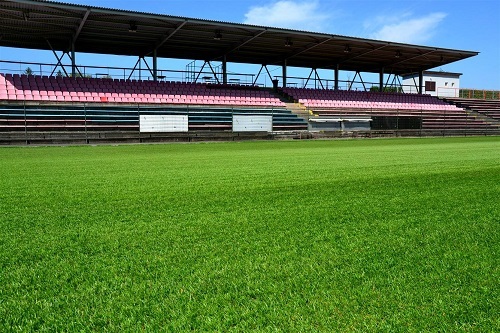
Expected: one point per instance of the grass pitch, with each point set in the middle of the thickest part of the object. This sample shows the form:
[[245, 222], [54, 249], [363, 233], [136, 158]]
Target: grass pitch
[[396, 235]]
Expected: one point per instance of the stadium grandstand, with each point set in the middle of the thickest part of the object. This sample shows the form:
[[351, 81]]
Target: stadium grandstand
[[75, 105]]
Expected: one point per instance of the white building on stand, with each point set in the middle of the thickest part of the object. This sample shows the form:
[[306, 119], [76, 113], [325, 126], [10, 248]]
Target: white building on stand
[[441, 84]]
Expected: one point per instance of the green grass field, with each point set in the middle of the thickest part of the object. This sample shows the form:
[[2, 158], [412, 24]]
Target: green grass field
[[390, 235]]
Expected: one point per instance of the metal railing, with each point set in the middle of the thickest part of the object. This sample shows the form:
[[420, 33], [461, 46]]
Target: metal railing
[[191, 74], [207, 76], [126, 73], [479, 94]]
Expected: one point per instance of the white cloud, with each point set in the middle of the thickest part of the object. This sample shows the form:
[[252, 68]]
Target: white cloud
[[301, 15], [403, 28]]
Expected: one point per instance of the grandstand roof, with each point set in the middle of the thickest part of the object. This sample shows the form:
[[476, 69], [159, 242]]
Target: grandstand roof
[[37, 24]]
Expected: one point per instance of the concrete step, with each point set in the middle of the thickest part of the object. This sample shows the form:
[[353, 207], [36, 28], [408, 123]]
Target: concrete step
[[476, 115], [296, 108]]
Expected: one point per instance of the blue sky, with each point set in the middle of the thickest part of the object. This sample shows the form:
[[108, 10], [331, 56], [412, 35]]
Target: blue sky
[[457, 24]]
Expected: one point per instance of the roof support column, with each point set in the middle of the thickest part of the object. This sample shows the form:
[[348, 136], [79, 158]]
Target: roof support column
[[308, 78], [59, 63], [155, 66], [133, 69], [73, 59], [268, 73], [420, 82], [213, 72], [140, 67], [387, 81], [260, 71], [199, 73], [316, 79], [381, 80], [336, 77], [258, 74], [361, 79], [224, 70], [284, 73]]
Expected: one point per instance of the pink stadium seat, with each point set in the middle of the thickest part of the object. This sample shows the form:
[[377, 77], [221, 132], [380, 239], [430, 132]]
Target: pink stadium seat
[[59, 89]]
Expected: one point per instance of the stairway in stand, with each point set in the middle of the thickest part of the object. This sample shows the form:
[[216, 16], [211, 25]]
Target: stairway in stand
[[296, 108]]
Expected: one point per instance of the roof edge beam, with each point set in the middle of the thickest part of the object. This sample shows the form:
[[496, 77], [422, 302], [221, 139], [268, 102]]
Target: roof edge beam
[[310, 47], [365, 53], [417, 56], [170, 35], [411, 58], [260, 33]]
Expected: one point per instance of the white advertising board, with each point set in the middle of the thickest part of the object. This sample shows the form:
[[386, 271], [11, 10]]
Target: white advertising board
[[252, 123], [163, 123]]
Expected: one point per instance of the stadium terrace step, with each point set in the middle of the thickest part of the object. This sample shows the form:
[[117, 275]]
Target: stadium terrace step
[[62, 117], [487, 109]]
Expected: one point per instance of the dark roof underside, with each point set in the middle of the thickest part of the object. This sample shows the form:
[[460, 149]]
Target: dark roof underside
[[38, 24]]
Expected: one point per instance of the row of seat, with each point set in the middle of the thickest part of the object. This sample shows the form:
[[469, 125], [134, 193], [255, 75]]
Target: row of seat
[[144, 99], [111, 91], [374, 105], [314, 98]]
